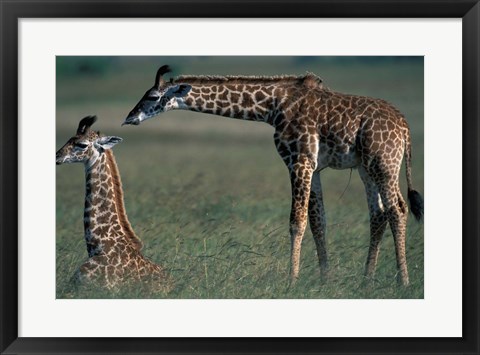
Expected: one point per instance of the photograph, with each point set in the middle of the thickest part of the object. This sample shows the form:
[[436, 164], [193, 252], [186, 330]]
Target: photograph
[[239, 177]]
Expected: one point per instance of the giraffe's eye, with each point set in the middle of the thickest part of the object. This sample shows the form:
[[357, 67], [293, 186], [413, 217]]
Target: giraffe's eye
[[81, 145]]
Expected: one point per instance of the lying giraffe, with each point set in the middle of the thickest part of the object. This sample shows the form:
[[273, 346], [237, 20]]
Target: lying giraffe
[[114, 250], [315, 128]]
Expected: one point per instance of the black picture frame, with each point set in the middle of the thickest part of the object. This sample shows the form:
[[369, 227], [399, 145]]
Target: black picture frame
[[12, 11]]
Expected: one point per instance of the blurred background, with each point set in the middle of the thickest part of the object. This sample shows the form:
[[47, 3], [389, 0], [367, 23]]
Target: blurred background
[[210, 197]]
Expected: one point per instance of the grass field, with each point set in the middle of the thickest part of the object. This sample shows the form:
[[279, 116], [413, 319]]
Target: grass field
[[210, 197]]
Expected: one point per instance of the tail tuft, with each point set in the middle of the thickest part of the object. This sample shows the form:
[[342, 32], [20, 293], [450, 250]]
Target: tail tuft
[[416, 204]]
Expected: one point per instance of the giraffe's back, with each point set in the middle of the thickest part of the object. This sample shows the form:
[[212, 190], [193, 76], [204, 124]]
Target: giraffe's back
[[353, 129]]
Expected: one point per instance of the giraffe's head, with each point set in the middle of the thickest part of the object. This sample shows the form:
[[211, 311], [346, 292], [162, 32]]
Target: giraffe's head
[[163, 96], [86, 146]]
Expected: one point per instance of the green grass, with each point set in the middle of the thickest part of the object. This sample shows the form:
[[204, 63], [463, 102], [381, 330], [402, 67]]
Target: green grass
[[210, 197]]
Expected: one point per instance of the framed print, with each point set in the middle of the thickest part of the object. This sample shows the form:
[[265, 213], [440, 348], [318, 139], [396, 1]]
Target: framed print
[[180, 230]]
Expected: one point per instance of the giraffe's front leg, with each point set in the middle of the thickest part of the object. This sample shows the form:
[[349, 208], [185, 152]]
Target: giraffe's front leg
[[316, 216], [300, 176]]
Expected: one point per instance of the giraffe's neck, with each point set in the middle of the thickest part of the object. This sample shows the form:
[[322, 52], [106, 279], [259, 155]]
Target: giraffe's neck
[[105, 220], [247, 101]]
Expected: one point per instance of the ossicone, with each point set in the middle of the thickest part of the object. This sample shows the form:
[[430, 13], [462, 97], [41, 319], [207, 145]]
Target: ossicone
[[85, 124], [312, 81], [159, 81]]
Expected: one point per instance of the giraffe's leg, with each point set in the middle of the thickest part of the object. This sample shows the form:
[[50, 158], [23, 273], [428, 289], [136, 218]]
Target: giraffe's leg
[[399, 231], [396, 210], [378, 221], [301, 176], [316, 215]]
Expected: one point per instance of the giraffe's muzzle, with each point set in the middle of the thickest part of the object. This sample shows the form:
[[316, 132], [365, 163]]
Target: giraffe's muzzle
[[132, 121], [58, 159]]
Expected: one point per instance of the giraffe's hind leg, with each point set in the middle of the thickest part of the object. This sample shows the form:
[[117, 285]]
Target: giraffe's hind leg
[[397, 218], [316, 215], [378, 221], [396, 210]]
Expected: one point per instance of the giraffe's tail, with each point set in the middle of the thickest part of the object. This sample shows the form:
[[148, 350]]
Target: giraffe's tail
[[415, 199]]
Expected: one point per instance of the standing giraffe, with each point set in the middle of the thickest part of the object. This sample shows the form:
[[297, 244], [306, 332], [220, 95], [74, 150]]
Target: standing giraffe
[[112, 246], [315, 128]]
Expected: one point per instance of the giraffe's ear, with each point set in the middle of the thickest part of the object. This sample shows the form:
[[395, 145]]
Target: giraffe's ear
[[85, 124], [107, 142], [181, 90]]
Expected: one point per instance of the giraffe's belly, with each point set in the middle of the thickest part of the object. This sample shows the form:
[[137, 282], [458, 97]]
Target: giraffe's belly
[[345, 157]]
